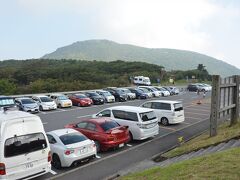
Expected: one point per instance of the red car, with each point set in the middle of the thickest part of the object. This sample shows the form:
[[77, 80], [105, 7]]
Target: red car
[[80, 100], [105, 132]]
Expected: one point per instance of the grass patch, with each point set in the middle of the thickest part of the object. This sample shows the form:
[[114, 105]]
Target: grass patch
[[221, 165], [224, 133]]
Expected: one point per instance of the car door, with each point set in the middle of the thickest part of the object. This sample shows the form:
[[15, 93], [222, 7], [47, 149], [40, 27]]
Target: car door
[[18, 103], [54, 145], [162, 110]]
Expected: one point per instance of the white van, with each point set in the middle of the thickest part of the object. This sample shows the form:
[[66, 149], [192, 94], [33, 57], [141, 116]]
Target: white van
[[141, 80], [142, 122], [168, 112], [24, 148]]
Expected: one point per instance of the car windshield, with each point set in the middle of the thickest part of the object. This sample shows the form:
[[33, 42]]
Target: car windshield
[[72, 138], [6, 101], [46, 99], [147, 116], [154, 89], [93, 94], [107, 93], [178, 107], [108, 125], [144, 90], [62, 98], [81, 96], [27, 101], [126, 90], [119, 91]]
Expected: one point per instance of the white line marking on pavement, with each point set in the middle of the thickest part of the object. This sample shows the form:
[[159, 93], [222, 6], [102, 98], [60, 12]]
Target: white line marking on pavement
[[198, 109], [186, 117], [185, 123], [53, 172], [129, 145], [89, 115], [195, 113], [98, 157], [61, 110], [45, 123]]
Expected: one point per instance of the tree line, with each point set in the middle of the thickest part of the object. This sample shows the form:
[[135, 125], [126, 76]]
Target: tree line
[[45, 75]]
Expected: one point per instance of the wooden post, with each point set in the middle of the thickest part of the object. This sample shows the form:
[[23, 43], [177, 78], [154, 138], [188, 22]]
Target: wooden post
[[235, 110], [214, 104]]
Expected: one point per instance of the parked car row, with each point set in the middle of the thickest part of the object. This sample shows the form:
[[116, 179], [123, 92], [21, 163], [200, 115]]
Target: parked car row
[[23, 136], [53, 101], [199, 87]]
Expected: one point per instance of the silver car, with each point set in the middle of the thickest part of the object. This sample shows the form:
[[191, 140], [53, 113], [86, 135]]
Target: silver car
[[27, 104], [69, 147]]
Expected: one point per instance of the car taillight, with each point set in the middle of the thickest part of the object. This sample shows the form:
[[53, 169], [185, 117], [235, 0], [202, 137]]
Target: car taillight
[[68, 152], [49, 156], [2, 169]]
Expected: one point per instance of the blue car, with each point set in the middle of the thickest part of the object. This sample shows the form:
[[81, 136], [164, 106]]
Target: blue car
[[139, 93]]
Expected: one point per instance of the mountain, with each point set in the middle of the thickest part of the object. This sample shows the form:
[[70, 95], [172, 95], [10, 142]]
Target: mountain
[[171, 59]]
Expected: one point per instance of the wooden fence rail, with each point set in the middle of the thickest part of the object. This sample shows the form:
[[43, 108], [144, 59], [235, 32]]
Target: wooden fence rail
[[225, 100]]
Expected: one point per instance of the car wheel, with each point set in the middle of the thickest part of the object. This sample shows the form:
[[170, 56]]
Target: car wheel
[[162, 94], [164, 121], [130, 136], [56, 161], [59, 106], [40, 108], [97, 146], [79, 104]]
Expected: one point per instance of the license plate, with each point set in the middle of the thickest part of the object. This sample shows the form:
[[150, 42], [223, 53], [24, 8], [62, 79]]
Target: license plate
[[121, 145], [29, 165], [84, 150]]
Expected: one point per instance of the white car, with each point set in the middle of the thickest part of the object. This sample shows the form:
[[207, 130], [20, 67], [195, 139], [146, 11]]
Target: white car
[[130, 95], [61, 100], [168, 112], [106, 95], [163, 91], [154, 91], [44, 102], [68, 147]]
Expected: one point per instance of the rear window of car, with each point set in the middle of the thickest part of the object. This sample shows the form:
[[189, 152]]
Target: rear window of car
[[147, 116], [81, 96], [72, 138], [178, 107], [19, 145], [132, 116], [109, 125]]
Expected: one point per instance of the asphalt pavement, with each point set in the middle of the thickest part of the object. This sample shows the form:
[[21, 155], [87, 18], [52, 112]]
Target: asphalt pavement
[[110, 163]]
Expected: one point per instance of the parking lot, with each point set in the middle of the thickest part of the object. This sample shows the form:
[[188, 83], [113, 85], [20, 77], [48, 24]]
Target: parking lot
[[194, 114]]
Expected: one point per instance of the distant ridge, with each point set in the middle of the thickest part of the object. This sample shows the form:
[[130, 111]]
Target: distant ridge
[[171, 59]]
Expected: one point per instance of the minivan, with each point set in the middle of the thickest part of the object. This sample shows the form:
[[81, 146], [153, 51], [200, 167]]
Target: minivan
[[142, 122], [25, 151], [168, 112]]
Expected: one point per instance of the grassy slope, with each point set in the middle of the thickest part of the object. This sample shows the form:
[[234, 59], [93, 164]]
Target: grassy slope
[[224, 133], [221, 165]]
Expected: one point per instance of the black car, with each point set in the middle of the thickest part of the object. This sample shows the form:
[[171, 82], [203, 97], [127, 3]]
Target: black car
[[96, 98], [193, 87], [139, 93], [118, 94]]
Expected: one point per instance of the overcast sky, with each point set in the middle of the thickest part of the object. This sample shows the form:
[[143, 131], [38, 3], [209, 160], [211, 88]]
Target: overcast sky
[[32, 28]]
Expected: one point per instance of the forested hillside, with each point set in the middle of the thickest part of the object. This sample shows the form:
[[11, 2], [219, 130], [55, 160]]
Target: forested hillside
[[43, 75]]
